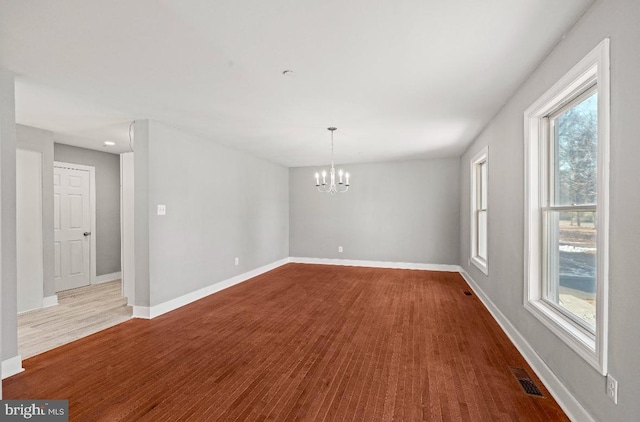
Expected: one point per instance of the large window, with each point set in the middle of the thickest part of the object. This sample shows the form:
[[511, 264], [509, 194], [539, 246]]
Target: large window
[[567, 144], [479, 188]]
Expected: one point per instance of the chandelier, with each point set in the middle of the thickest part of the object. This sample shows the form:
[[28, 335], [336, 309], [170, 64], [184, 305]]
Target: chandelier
[[343, 178]]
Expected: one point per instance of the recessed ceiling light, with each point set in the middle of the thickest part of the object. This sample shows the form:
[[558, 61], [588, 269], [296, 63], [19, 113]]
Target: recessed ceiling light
[[108, 143]]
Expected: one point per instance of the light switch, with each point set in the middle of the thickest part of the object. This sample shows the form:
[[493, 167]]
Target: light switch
[[162, 209]]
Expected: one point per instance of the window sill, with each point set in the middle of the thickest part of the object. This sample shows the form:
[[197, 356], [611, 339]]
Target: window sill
[[582, 343]]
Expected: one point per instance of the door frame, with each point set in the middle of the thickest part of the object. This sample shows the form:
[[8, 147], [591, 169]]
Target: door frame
[[127, 255], [92, 206]]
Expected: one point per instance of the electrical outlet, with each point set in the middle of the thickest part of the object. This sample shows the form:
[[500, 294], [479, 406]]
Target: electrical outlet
[[237, 261], [612, 388], [162, 209], [340, 249]]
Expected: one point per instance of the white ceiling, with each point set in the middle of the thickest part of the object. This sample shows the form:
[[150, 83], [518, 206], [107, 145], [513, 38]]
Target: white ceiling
[[400, 79]]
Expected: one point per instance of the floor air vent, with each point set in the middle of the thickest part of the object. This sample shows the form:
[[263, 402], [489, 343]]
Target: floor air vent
[[526, 382], [467, 292]]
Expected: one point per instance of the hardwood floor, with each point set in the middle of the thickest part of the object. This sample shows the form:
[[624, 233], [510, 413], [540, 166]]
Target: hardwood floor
[[79, 313], [302, 342]]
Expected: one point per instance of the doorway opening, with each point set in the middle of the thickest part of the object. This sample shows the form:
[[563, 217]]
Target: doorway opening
[[80, 301]]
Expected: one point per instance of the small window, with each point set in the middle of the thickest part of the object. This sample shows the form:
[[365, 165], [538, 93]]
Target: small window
[[566, 248], [479, 189]]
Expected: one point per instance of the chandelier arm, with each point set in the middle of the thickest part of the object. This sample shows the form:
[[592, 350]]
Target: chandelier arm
[[333, 186]]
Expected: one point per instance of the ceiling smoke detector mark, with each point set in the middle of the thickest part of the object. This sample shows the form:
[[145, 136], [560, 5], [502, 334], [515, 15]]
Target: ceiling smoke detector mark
[[288, 73]]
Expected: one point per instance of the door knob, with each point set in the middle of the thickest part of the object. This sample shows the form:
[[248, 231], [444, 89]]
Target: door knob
[[87, 233]]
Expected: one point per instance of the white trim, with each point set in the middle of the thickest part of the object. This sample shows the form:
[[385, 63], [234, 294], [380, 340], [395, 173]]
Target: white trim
[[376, 264], [26, 311], [594, 68], [475, 259], [127, 256], [12, 366], [49, 301], [92, 204], [146, 312], [142, 312], [572, 407], [105, 278]]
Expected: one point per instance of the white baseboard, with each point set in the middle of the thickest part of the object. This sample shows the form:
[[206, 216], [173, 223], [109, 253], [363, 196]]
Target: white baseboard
[[146, 312], [142, 312], [574, 410], [105, 278], [48, 301], [376, 264], [12, 366]]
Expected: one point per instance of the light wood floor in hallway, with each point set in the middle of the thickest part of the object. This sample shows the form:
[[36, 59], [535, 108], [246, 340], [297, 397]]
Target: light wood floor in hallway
[[79, 313]]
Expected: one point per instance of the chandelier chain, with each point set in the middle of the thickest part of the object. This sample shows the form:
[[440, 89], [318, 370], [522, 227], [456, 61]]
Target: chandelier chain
[[332, 148]]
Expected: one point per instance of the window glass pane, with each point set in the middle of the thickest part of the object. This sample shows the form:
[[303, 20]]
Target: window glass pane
[[482, 234], [483, 185], [571, 262], [575, 147]]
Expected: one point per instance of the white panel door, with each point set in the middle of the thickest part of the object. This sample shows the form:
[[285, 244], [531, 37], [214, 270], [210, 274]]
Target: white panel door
[[29, 229], [72, 228]]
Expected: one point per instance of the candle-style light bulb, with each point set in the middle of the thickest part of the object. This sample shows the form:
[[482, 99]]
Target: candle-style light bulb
[[317, 179], [324, 177], [340, 172], [347, 177]]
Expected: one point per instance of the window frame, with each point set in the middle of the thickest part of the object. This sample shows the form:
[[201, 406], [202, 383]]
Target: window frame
[[548, 192], [591, 70], [482, 263]]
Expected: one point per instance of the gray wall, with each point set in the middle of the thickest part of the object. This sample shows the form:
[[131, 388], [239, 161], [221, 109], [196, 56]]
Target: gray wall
[[397, 211], [107, 201], [40, 140], [8, 259], [221, 204], [617, 19]]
